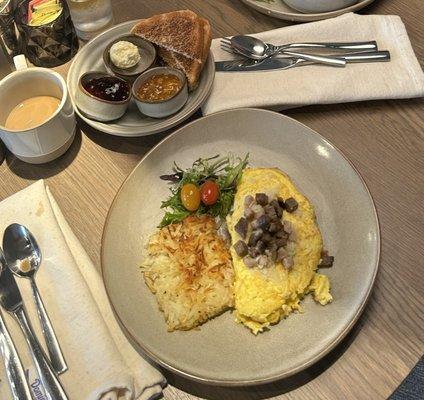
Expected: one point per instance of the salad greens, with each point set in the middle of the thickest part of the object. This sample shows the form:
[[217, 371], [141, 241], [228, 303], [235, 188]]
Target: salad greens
[[225, 171]]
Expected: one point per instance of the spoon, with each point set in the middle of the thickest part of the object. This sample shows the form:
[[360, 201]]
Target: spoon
[[261, 48], [23, 257], [251, 47], [12, 363]]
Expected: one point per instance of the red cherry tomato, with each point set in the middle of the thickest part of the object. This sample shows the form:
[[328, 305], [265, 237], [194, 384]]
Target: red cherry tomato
[[209, 192], [190, 196]]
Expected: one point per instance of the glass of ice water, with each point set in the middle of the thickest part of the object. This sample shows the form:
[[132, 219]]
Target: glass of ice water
[[90, 17]]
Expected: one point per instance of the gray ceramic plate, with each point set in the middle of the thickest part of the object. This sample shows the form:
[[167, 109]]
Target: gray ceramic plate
[[281, 10], [223, 352], [133, 123]]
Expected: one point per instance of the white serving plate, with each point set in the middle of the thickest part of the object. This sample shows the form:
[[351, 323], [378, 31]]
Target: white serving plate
[[133, 123]]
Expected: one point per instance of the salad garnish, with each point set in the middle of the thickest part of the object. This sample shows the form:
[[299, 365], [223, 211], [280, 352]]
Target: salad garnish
[[207, 187]]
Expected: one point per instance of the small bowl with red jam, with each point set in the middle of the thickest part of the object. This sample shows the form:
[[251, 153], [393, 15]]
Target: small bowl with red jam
[[103, 97], [160, 92]]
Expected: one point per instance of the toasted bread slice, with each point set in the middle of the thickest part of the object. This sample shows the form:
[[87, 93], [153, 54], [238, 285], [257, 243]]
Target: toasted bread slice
[[207, 39], [178, 31], [168, 57], [191, 68]]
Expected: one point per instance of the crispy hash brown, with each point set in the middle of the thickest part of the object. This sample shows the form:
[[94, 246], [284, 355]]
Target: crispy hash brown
[[188, 267]]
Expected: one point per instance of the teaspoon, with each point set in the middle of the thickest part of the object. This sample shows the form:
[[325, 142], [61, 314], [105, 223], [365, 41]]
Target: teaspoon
[[12, 363], [23, 257]]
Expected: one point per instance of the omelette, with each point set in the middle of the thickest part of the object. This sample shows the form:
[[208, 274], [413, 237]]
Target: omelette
[[263, 296]]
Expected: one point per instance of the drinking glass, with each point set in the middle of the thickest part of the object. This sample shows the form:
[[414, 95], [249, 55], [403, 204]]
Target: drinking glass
[[90, 17]]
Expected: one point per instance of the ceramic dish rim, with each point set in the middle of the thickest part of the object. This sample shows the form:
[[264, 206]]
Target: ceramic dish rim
[[304, 17], [278, 376], [64, 97], [87, 93], [323, 12]]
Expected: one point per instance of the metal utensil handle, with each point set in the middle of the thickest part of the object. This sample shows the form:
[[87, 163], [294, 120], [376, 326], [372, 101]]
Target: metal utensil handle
[[56, 356], [335, 62], [372, 45], [13, 366], [375, 56], [51, 383]]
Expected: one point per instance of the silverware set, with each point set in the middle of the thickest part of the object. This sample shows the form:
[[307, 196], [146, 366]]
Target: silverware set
[[260, 56], [21, 256]]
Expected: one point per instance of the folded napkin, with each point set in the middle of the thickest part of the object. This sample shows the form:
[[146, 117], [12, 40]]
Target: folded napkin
[[402, 77], [102, 364]]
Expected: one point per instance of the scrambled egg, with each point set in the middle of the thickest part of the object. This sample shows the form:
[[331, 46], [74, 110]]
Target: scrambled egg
[[263, 297]]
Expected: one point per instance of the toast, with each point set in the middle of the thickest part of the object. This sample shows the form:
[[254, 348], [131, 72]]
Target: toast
[[178, 31], [182, 38], [191, 68]]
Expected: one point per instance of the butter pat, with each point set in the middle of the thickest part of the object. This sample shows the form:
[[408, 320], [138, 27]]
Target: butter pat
[[124, 54]]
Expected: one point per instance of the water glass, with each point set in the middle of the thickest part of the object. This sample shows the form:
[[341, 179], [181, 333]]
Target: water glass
[[90, 17]]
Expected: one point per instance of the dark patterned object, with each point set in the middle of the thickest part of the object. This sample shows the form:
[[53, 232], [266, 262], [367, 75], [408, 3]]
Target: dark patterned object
[[9, 39], [47, 45], [412, 388], [2, 152]]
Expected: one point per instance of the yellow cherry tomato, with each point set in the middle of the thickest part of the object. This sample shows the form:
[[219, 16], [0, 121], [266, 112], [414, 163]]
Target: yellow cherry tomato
[[190, 196]]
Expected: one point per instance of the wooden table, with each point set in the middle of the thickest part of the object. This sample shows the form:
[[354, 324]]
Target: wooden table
[[384, 139]]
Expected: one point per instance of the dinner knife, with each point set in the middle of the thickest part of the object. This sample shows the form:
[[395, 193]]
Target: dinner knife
[[11, 300], [12, 363], [272, 63]]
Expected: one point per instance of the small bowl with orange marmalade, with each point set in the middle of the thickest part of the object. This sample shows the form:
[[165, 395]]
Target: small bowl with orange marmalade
[[160, 92]]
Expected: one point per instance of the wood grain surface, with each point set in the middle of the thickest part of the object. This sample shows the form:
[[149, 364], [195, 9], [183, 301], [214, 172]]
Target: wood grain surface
[[385, 141]]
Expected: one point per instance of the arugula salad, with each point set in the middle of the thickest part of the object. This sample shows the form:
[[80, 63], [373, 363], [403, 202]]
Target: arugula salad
[[207, 187]]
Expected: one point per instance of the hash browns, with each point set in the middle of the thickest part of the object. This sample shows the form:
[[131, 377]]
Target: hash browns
[[188, 267]]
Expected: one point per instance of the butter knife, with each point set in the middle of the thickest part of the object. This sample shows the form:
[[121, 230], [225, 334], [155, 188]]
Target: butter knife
[[12, 363], [11, 300], [248, 65], [282, 63]]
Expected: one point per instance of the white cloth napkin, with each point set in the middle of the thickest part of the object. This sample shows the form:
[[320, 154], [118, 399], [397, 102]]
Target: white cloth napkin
[[102, 363], [402, 77]]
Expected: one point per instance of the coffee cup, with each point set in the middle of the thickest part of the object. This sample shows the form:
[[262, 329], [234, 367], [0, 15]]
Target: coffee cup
[[48, 138]]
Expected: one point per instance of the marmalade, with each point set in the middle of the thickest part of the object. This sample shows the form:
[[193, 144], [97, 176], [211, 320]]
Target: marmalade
[[159, 87]]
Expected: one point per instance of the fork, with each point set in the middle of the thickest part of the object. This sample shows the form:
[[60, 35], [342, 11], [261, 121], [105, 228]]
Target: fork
[[273, 49], [326, 60]]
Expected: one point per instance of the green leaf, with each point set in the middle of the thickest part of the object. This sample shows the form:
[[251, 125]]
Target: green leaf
[[234, 173], [173, 217], [174, 201]]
